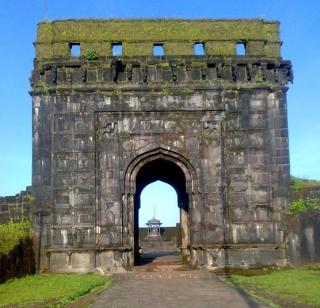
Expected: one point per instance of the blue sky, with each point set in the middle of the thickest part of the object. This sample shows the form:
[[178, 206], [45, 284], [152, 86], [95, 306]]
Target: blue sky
[[18, 20]]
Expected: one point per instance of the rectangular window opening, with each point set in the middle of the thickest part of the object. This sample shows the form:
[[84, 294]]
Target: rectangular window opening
[[117, 49], [158, 50], [241, 49], [75, 50], [199, 49]]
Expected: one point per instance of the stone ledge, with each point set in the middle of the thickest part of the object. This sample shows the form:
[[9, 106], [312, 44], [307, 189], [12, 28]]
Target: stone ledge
[[238, 246], [69, 250], [182, 74]]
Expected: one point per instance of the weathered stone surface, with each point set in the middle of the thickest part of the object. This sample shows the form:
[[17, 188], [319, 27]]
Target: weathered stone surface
[[16, 208], [303, 237], [213, 127]]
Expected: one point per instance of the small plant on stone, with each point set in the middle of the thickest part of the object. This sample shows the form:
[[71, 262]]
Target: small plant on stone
[[92, 55], [208, 136]]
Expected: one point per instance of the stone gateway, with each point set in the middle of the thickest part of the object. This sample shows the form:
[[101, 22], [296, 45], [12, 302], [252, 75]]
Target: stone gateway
[[207, 115]]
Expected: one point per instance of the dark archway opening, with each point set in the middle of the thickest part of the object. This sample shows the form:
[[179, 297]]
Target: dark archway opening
[[170, 173]]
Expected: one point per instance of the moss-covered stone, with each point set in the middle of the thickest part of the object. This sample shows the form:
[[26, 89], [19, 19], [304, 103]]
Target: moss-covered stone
[[61, 49], [178, 48], [272, 49], [137, 49], [44, 51], [139, 35], [102, 48], [221, 48], [255, 48]]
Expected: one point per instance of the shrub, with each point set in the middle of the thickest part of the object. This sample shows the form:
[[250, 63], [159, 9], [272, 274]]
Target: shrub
[[92, 55], [11, 233], [302, 205]]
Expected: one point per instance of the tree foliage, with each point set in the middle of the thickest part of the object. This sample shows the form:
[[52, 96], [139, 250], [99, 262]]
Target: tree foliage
[[12, 233]]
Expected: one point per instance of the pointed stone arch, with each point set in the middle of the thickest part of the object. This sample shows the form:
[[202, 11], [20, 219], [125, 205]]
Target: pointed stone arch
[[160, 153], [186, 187]]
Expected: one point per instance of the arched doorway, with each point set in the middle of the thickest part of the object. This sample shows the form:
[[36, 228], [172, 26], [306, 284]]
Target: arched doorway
[[171, 168], [168, 172]]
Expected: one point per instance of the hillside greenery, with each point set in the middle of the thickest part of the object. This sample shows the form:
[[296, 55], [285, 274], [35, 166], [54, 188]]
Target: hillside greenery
[[298, 184]]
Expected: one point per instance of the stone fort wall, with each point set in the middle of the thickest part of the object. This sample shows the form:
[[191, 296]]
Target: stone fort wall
[[302, 240], [15, 208]]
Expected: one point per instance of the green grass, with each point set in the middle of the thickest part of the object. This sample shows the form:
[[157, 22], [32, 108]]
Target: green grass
[[291, 286], [50, 290]]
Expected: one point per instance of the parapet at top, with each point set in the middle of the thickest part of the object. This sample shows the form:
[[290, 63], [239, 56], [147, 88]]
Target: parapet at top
[[139, 37]]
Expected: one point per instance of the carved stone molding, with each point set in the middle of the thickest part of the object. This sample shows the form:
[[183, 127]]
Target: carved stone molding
[[209, 71]]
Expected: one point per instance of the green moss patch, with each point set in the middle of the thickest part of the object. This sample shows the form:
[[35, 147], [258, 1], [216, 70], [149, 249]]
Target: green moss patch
[[139, 35], [156, 30]]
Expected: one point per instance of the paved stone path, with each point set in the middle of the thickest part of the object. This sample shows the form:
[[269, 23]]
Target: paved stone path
[[172, 289]]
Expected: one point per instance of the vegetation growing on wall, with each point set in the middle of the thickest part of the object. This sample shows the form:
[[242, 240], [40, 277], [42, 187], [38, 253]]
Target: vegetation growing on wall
[[303, 205], [92, 55], [299, 184], [156, 29], [301, 201], [139, 35]]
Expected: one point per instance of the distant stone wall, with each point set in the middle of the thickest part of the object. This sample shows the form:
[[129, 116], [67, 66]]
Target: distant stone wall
[[14, 208], [304, 238], [20, 261], [311, 192], [304, 231]]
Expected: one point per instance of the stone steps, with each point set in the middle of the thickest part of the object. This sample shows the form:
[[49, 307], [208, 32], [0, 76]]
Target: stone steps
[[165, 263], [160, 268], [186, 274], [160, 264]]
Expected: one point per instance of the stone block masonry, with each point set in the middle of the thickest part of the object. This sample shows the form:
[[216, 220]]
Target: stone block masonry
[[115, 117], [16, 208]]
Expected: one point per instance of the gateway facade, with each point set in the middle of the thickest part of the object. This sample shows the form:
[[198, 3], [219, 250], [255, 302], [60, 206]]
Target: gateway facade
[[203, 117]]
